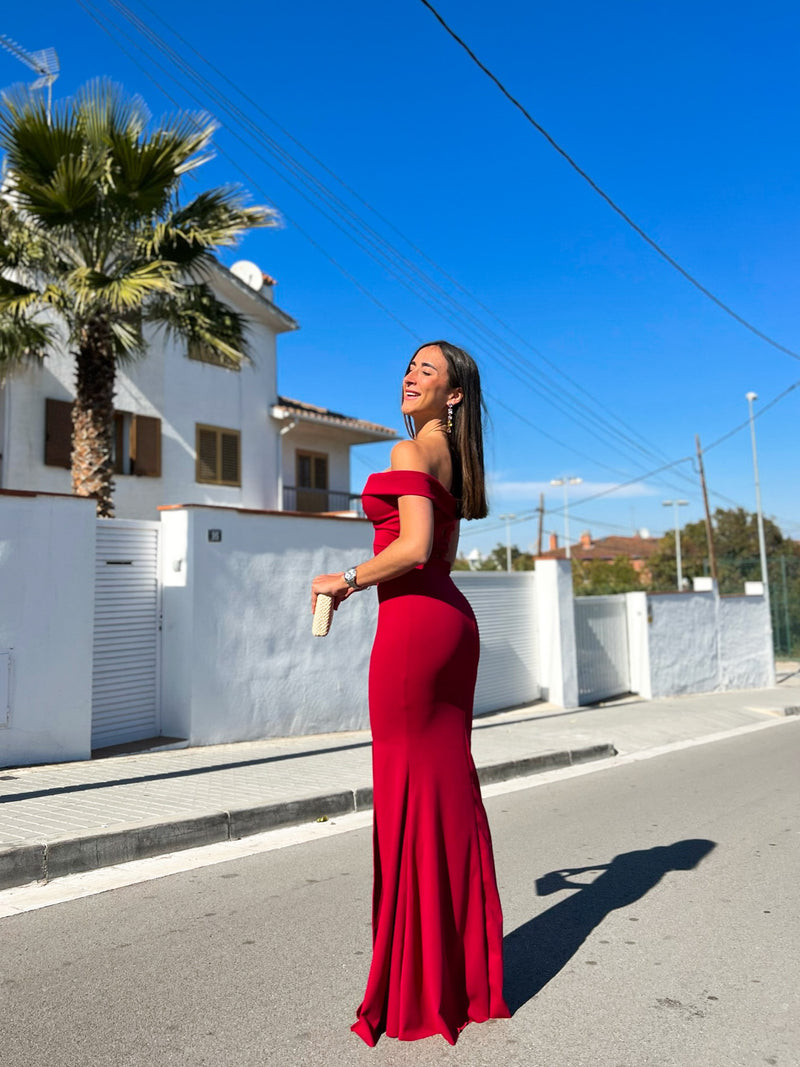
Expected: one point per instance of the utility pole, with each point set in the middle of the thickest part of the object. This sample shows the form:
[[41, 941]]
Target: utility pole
[[541, 525], [712, 556]]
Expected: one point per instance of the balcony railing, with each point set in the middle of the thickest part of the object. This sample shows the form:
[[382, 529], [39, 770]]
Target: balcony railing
[[297, 498]]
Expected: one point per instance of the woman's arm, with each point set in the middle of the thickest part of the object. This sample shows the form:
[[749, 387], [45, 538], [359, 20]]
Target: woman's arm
[[411, 548]]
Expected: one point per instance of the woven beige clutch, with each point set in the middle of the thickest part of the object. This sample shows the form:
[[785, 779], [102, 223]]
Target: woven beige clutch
[[323, 614]]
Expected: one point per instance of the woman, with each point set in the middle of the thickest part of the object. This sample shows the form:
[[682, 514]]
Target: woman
[[436, 918]]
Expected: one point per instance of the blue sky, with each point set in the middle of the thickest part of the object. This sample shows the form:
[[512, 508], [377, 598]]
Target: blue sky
[[685, 114]]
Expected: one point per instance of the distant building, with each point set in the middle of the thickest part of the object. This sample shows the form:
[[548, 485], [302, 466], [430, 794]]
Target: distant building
[[639, 550]]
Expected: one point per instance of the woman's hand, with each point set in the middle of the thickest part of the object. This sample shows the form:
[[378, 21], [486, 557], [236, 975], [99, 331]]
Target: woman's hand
[[332, 584]]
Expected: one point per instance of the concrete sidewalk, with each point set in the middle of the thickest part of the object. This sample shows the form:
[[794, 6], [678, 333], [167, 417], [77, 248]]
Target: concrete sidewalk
[[65, 818]]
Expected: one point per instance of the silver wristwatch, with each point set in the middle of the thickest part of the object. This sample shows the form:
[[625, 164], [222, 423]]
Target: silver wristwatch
[[350, 577]]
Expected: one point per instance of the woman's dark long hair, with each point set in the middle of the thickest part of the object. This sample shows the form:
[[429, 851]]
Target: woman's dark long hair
[[466, 437]]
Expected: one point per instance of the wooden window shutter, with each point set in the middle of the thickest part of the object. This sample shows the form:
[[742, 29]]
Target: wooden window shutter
[[229, 464], [218, 455], [206, 455], [146, 446], [58, 433]]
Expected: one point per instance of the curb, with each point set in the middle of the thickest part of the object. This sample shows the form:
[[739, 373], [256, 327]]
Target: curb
[[59, 856]]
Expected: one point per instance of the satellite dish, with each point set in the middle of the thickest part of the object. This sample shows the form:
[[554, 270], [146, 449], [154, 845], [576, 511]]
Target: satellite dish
[[249, 273]]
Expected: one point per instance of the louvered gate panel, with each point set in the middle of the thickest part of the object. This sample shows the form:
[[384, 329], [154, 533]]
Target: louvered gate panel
[[505, 607], [601, 637], [126, 682]]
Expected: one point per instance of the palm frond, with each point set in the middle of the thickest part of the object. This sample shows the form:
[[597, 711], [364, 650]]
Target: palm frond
[[15, 299], [215, 218], [69, 197], [128, 337], [143, 175], [22, 340], [103, 112], [122, 292], [34, 145], [195, 315]]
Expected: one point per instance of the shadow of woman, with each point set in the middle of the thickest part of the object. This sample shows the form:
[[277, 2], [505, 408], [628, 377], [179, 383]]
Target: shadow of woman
[[536, 951]]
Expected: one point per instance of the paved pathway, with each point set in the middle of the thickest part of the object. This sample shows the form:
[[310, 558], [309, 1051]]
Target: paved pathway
[[76, 816]]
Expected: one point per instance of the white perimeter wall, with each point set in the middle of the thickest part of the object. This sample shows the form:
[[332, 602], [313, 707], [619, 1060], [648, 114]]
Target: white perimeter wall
[[682, 640], [239, 661], [747, 660], [47, 564], [699, 642]]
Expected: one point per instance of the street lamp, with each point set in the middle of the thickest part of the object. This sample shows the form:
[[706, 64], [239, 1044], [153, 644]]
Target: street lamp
[[677, 504], [566, 482], [508, 519], [762, 547]]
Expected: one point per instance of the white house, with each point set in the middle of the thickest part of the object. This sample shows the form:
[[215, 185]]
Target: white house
[[191, 430]]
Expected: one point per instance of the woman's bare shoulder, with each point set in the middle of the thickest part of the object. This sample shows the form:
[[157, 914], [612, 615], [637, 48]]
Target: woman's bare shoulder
[[410, 456]]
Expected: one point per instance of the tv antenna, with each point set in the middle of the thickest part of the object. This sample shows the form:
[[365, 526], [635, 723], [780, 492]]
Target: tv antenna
[[44, 63]]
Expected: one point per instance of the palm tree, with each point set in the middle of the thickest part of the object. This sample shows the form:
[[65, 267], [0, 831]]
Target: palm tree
[[96, 247]]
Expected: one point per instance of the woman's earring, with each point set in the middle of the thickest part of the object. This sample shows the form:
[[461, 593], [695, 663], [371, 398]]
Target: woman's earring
[[449, 418]]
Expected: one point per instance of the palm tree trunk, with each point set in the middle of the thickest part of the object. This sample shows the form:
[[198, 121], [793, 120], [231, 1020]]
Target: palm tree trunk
[[93, 416]]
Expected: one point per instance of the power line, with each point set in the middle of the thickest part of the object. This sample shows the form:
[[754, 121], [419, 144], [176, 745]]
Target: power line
[[180, 63], [611, 203], [394, 261], [387, 222]]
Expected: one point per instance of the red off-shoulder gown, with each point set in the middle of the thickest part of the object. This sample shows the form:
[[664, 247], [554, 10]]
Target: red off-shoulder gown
[[437, 925]]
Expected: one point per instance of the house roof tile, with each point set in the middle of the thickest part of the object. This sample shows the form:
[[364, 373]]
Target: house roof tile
[[608, 548], [288, 408]]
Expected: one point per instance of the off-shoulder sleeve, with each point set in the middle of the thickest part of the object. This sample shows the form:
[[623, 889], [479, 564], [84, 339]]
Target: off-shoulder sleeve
[[407, 483], [410, 483]]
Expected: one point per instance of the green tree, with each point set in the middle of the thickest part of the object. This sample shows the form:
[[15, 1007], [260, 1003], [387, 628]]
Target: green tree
[[597, 577], [736, 546], [95, 244], [497, 560], [738, 561]]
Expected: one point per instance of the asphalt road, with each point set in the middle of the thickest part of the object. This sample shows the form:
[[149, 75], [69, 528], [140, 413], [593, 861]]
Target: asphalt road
[[651, 916]]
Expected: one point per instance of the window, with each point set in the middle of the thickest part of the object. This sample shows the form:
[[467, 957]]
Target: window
[[135, 440], [218, 455], [312, 470], [58, 433], [312, 481], [205, 354]]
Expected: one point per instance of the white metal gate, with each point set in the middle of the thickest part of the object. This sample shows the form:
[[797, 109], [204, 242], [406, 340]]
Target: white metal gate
[[601, 635], [127, 623], [505, 607]]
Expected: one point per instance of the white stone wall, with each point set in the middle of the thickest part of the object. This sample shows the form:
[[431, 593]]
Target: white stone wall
[[239, 661], [47, 564], [700, 642], [682, 640], [746, 657]]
